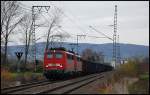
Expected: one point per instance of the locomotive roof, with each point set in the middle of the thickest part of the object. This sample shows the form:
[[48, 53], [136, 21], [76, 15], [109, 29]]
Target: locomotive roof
[[58, 48], [63, 49]]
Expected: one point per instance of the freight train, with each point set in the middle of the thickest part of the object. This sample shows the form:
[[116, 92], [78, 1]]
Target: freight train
[[60, 63]]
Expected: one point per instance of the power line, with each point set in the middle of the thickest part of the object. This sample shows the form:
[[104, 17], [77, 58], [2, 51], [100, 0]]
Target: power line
[[73, 22], [78, 20], [25, 5], [86, 25], [85, 35], [64, 15], [69, 19], [101, 33]]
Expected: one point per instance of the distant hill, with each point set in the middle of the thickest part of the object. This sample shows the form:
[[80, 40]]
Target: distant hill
[[126, 50]]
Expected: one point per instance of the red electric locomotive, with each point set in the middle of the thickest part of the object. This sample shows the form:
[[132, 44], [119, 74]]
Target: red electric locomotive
[[59, 63]]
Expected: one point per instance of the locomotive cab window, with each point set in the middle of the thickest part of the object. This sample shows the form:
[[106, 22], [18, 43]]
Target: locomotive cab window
[[70, 58], [49, 55], [58, 55], [78, 59]]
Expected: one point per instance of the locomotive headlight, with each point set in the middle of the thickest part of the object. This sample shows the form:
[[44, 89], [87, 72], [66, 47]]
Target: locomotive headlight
[[58, 64]]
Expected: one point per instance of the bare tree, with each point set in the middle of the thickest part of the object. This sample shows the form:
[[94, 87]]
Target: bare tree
[[55, 19], [89, 54], [10, 18], [26, 27]]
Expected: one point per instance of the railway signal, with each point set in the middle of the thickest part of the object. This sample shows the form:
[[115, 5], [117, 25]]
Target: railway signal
[[19, 55]]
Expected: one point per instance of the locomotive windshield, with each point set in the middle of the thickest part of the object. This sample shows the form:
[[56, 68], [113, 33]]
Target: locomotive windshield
[[58, 55], [49, 55]]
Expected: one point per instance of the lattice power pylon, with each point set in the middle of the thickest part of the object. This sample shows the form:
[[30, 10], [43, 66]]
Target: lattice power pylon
[[35, 10], [114, 36], [118, 52]]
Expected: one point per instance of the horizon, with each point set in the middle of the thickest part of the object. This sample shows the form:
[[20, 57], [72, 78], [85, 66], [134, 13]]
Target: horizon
[[83, 43]]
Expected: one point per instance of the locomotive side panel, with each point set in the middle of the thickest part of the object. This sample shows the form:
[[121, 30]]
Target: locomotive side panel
[[84, 67], [78, 64], [70, 63]]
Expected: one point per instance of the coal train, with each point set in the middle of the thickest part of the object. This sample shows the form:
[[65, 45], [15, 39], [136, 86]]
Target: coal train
[[59, 63]]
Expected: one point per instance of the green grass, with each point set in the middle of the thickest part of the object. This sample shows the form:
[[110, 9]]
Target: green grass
[[26, 74], [144, 76], [139, 87], [14, 75]]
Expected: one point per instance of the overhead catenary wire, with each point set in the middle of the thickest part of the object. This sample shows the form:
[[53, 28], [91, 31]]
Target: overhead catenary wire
[[101, 33], [70, 19], [26, 8], [85, 25], [74, 34]]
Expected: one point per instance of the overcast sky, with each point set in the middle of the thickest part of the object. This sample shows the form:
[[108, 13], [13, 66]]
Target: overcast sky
[[133, 20]]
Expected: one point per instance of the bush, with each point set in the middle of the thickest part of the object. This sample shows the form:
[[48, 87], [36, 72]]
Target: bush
[[27, 76], [130, 69], [6, 75], [40, 77], [30, 76], [13, 67], [39, 69], [139, 87], [144, 76]]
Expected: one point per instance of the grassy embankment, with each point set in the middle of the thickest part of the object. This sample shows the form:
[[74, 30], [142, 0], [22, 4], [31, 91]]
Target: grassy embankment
[[9, 74], [134, 76], [141, 86]]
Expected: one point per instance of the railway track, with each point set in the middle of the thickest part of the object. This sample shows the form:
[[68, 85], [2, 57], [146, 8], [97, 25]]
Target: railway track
[[67, 88], [71, 85], [54, 87], [23, 86]]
